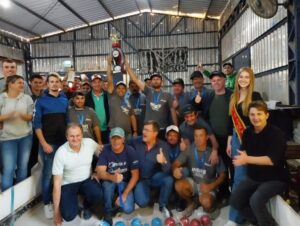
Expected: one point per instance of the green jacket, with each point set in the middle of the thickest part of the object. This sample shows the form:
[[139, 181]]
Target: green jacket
[[230, 79]]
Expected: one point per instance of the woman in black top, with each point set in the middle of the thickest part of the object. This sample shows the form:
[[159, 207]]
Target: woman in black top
[[238, 111], [263, 151]]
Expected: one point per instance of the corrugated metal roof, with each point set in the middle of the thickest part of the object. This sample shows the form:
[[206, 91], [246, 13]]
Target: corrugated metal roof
[[93, 11]]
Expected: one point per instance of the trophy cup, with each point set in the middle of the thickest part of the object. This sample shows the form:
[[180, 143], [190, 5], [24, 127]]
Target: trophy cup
[[117, 59]]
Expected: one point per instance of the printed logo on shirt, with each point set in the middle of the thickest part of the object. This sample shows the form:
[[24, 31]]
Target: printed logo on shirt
[[125, 110], [155, 107], [137, 111]]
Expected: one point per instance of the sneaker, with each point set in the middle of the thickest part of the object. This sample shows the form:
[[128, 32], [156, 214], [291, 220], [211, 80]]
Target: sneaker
[[230, 223], [85, 214], [48, 211], [165, 211], [108, 218], [190, 209]]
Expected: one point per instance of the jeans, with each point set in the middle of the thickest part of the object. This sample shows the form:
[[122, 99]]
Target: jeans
[[251, 196], [89, 189], [240, 173], [47, 161], [109, 191], [159, 180], [15, 155]]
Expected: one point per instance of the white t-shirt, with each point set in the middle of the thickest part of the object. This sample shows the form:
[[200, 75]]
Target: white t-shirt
[[74, 166]]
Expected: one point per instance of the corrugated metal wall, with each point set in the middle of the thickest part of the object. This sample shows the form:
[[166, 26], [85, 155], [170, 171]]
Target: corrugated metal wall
[[268, 52], [90, 46]]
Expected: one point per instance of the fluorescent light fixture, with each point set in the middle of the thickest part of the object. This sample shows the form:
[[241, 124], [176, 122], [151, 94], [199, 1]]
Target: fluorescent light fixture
[[5, 3]]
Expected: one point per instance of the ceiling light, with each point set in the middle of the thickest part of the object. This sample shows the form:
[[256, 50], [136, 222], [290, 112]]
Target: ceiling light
[[5, 3]]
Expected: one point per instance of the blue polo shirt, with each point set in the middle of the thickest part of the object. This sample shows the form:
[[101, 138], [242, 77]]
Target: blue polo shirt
[[147, 158]]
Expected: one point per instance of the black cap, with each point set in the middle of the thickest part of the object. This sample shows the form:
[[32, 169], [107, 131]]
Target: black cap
[[196, 74], [228, 63], [146, 79], [188, 109], [155, 75], [178, 81], [217, 73]]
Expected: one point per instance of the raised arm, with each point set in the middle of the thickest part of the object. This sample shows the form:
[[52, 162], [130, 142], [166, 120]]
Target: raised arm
[[109, 73], [133, 76]]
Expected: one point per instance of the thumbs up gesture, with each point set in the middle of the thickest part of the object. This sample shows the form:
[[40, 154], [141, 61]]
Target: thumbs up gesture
[[200, 67], [160, 157], [182, 145], [198, 98]]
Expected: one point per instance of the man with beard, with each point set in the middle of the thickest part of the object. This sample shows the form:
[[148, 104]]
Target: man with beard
[[159, 104]]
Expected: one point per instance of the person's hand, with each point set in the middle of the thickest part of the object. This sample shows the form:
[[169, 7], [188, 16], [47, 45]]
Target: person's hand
[[135, 134], [228, 150], [118, 177], [94, 177], [57, 219], [240, 159], [177, 173], [124, 197], [198, 98], [205, 188], [200, 67], [182, 145], [160, 157], [47, 148], [214, 158]]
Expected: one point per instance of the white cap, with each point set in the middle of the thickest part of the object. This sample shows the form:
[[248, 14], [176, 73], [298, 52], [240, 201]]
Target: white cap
[[172, 127]]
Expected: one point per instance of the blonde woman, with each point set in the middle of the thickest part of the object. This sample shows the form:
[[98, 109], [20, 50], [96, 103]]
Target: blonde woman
[[16, 137], [242, 96]]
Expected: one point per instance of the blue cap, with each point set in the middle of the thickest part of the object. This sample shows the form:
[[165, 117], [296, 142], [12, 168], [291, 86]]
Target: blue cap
[[117, 131]]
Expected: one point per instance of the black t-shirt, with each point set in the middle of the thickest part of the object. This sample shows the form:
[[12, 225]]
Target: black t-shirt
[[269, 142]]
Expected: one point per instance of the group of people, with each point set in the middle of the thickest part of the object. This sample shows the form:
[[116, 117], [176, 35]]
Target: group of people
[[117, 146]]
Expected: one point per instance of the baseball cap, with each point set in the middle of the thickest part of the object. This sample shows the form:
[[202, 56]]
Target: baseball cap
[[117, 131], [172, 128], [217, 73], [178, 81], [188, 109], [196, 74], [228, 63], [120, 83], [77, 76], [146, 79], [155, 75], [95, 76]]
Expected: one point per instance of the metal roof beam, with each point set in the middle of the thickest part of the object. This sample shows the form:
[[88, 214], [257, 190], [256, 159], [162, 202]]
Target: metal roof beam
[[157, 24], [106, 9], [137, 6], [19, 27], [36, 14], [150, 5], [173, 28], [73, 12], [178, 7], [208, 8]]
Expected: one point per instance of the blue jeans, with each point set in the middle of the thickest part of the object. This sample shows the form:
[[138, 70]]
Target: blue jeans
[[109, 191], [15, 156], [240, 173], [159, 180], [47, 161], [91, 191], [251, 196]]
